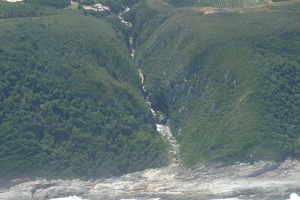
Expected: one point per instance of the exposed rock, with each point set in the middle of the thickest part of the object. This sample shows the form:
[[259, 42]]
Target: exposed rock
[[262, 180], [160, 117], [166, 134]]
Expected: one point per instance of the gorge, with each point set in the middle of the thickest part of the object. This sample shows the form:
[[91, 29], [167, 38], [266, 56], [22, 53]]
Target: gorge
[[151, 102]]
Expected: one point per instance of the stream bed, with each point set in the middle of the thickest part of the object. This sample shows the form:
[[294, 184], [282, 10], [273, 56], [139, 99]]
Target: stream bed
[[239, 181]]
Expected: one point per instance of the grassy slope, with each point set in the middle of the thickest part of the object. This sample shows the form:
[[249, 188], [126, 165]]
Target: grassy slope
[[159, 5], [228, 4], [229, 81], [71, 104]]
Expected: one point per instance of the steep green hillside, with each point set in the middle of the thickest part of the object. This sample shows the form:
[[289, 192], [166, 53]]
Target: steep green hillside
[[228, 81], [228, 4], [12, 10], [71, 101]]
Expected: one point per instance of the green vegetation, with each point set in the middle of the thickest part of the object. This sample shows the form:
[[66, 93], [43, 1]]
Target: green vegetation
[[71, 104], [229, 4], [12, 10], [52, 3], [228, 81], [74, 6], [159, 5]]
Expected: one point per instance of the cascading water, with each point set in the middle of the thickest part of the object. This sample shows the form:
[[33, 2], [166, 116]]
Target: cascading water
[[128, 24], [241, 181], [163, 129]]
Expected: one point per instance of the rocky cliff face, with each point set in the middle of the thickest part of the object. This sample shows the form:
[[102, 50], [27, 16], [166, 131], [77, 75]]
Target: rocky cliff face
[[262, 180]]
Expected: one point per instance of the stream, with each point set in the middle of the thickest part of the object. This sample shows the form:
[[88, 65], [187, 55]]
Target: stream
[[240, 181], [162, 129]]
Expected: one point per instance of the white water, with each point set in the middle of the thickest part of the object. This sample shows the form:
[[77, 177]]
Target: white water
[[227, 199], [143, 199], [166, 134], [129, 24], [294, 196], [163, 179], [69, 198], [78, 198], [164, 130]]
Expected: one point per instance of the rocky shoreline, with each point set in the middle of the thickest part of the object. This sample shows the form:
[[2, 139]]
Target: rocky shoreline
[[262, 180]]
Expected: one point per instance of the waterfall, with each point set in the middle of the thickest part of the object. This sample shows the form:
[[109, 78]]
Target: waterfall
[[162, 129]]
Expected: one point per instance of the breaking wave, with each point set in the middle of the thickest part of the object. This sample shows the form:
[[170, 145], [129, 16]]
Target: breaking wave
[[69, 198], [293, 196]]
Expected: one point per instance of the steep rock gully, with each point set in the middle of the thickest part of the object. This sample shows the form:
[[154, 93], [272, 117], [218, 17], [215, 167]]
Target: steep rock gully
[[163, 129], [261, 180]]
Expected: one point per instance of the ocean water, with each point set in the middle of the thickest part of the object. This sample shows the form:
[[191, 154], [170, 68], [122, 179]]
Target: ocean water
[[293, 196], [69, 198], [78, 198]]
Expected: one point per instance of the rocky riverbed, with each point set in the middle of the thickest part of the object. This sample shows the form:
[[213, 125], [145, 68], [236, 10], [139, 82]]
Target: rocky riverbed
[[262, 180]]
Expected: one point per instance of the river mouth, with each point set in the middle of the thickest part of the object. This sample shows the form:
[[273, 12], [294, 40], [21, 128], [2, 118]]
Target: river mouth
[[240, 181], [260, 180]]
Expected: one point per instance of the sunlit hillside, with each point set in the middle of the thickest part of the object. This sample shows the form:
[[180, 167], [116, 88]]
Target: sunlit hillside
[[228, 4], [228, 81]]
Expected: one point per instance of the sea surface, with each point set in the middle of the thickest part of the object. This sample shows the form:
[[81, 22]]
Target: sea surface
[[293, 196]]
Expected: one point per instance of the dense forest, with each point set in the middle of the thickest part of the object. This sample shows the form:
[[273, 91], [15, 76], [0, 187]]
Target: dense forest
[[52, 3], [72, 104], [228, 81]]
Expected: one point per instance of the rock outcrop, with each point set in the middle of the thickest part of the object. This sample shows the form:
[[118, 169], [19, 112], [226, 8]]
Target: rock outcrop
[[262, 180]]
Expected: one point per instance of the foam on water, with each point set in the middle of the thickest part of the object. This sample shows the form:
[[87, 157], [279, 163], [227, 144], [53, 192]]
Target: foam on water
[[294, 196], [143, 199], [69, 198], [78, 198]]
